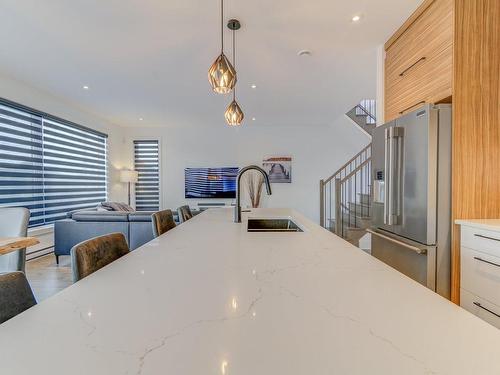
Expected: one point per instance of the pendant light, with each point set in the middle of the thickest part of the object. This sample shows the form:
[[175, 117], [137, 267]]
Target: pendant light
[[234, 115], [222, 75]]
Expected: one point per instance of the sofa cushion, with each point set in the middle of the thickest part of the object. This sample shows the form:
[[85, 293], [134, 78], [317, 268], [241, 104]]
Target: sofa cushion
[[140, 233], [69, 214], [140, 216], [100, 216]]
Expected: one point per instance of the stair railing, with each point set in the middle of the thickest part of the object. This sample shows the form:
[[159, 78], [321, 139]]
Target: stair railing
[[345, 195], [364, 114], [368, 112]]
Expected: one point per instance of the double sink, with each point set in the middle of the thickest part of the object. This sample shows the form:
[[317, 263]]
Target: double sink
[[272, 225]]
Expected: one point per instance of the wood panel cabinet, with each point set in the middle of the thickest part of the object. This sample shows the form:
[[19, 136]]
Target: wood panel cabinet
[[418, 62], [476, 118]]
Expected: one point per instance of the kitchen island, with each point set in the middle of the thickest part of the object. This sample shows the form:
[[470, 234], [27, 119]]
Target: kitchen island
[[210, 298]]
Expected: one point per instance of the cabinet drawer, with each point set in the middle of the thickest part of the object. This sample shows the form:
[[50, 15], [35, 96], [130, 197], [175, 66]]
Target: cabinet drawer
[[435, 67], [480, 274], [419, 64], [431, 32], [428, 83], [483, 309], [483, 240]]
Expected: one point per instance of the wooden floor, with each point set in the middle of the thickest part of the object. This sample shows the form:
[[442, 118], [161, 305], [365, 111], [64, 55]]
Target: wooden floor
[[46, 277]]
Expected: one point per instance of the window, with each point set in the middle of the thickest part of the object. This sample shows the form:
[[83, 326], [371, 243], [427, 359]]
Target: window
[[48, 165], [147, 188], [74, 164]]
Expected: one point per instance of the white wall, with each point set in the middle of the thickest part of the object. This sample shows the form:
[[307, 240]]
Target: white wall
[[24, 94], [316, 151]]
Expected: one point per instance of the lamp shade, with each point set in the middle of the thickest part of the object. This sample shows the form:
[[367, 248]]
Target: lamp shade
[[221, 75], [234, 115], [129, 176]]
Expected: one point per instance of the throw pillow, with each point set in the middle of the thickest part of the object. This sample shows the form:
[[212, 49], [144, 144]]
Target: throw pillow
[[117, 206]]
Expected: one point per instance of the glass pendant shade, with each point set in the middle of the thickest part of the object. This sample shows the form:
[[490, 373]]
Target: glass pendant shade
[[234, 115], [222, 75]]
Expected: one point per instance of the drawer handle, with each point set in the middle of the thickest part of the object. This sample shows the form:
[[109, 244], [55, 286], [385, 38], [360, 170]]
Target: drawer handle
[[486, 309], [411, 66], [410, 107], [486, 261], [488, 238]]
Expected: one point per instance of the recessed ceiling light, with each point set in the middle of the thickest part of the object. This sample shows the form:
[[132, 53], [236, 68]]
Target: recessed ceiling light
[[253, 119], [254, 86], [356, 18], [140, 119], [304, 52], [85, 87]]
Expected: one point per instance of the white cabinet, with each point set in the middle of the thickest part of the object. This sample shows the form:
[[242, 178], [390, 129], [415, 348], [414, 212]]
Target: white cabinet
[[480, 269], [480, 307]]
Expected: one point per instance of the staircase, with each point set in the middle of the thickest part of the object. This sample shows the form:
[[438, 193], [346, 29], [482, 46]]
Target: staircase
[[345, 196], [364, 115]]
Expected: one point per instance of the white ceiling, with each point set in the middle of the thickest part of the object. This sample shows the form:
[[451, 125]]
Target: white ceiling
[[149, 58]]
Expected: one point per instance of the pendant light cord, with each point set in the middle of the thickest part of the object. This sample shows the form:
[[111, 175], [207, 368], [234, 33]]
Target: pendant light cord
[[234, 63], [222, 25]]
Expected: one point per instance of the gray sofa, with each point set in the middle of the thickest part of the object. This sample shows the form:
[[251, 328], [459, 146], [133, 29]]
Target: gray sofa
[[85, 224]]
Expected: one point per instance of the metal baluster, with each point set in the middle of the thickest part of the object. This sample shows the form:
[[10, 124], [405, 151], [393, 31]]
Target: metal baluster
[[362, 184], [330, 203], [349, 201], [370, 188], [349, 197], [346, 202], [342, 189], [323, 192], [355, 195]]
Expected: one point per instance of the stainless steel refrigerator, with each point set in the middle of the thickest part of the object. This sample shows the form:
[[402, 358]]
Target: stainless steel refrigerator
[[411, 195]]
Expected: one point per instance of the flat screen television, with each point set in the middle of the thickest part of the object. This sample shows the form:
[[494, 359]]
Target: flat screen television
[[210, 182]]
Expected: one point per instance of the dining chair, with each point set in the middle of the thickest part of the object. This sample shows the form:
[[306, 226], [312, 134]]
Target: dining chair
[[16, 295], [162, 222], [91, 255], [14, 223], [184, 213]]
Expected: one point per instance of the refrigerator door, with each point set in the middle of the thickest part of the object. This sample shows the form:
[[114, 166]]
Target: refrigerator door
[[405, 161], [415, 260]]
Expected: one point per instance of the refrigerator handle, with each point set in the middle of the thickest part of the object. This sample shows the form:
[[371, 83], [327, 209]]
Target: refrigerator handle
[[419, 250], [391, 218], [398, 138], [387, 174]]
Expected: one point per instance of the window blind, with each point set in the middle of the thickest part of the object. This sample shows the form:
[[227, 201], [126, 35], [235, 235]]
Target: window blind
[[48, 165], [147, 188], [74, 165], [21, 162]]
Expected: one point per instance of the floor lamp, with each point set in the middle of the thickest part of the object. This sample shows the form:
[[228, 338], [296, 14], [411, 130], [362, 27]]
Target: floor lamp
[[129, 177]]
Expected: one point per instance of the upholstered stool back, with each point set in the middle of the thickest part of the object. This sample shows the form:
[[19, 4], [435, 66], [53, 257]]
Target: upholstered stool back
[[184, 213], [15, 295], [96, 253], [162, 222]]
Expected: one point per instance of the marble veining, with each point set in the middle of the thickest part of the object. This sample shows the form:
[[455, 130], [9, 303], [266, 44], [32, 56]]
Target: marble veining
[[209, 298]]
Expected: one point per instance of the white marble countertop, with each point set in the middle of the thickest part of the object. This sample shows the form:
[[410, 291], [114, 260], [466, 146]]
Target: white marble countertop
[[489, 224], [209, 298]]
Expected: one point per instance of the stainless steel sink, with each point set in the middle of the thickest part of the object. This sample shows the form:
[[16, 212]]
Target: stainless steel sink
[[272, 225]]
